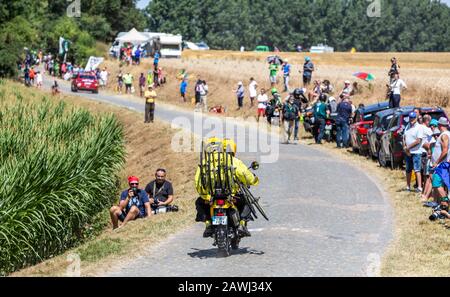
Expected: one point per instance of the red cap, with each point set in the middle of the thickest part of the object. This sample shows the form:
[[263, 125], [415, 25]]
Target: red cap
[[133, 179]]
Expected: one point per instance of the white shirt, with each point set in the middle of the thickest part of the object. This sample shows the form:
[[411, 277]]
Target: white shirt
[[262, 101], [397, 86], [438, 149], [39, 77], [104, 75], [252, 88], [411, 135]]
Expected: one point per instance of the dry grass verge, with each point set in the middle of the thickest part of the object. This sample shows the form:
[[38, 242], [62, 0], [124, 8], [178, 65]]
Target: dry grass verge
[[148, 148]]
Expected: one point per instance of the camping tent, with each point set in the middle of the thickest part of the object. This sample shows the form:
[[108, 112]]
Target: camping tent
[[133, 36]]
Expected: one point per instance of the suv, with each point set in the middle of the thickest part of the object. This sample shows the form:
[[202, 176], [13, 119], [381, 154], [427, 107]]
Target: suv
[[391, 145], [362, 122], [85, 81], [380, 124]]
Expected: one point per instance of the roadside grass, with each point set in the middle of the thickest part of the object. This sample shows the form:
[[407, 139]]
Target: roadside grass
[[426, 74], [148, 147], [419, 247]]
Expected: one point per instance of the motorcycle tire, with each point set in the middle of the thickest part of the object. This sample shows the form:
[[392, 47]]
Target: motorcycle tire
[[223, 241], [235, 242]]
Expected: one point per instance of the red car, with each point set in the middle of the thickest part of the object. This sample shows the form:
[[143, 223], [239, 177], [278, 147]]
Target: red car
[[362, 122], [85, 82]]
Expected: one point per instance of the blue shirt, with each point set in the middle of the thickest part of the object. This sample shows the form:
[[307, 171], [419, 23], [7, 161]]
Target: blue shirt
[[286, 69], [183, 86], [308, 69], [156, 58], [344, 111], [138, 201], [240, 92]]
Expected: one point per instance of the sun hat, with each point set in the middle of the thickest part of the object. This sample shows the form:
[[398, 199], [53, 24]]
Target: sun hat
[[443, 121]]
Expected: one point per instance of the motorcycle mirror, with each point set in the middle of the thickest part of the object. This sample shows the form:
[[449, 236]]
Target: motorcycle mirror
[[254, 165]]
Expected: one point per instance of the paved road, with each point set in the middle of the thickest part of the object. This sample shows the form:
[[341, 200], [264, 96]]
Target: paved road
[[327, 218]]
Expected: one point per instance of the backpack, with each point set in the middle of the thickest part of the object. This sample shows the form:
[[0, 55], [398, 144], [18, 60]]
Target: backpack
[[289, 112]]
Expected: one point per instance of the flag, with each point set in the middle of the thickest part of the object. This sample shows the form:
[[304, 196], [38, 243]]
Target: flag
[[63, 46], [93, 63]]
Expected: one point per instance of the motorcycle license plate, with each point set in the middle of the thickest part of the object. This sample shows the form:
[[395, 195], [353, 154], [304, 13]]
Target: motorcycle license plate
[[220, 220], [328, 127]]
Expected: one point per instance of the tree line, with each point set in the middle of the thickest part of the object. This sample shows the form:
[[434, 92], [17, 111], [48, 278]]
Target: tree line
[[39, 24], [367, 25]]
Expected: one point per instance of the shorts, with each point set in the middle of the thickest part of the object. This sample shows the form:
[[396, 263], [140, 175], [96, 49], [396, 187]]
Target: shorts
[[273, 79], [182, 94], [124, 214], [261, 112], [437, 181], [413, 162], [306, 79]]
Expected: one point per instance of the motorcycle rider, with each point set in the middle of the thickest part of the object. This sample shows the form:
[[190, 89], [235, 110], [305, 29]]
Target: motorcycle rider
[[273, 104], [299, 98], [241, 174]]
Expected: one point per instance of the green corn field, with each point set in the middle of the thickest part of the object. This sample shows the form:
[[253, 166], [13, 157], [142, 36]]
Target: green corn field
[[59, 167]]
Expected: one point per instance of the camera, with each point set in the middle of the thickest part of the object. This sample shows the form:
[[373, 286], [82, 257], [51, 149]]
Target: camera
[[437, 213]]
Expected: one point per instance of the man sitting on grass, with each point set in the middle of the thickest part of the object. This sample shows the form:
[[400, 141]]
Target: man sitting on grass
[[160, 191], [133, 204]]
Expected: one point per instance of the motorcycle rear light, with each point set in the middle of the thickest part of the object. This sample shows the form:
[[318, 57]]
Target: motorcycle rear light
[[220, 214], [328, 123], [220, 202]]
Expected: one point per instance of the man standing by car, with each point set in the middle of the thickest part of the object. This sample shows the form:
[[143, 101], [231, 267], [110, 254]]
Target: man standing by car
[[412, 145], [286, 74], [344, 112], [160, 190], [441, 154]]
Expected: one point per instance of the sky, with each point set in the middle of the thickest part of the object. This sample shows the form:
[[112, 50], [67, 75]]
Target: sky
[[143, 3]]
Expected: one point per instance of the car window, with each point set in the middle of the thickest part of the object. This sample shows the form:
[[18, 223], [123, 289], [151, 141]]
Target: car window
[[376, 121], [435, 115], [87, 77], [394, 121], [386, 120]]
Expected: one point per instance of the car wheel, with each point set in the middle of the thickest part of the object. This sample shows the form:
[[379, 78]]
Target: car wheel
[[95, 91], [381, 158], [74, 89]]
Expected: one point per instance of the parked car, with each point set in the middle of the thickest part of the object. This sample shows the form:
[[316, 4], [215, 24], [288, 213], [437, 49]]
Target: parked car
[[202, 46], [380, 124], [390, 152], [262, 48], [85, 81], [361, 123]]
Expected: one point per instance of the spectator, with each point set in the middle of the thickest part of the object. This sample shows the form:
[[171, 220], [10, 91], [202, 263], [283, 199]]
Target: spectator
[[394, 69], [252, 90], [441, 154], [332, 104], [32, 75], [347, 90], [150, 98], [204, 96], [316, 92], [133, 204], [156, 60], [320, 115], [240, 95], [120, 82], [308, 69], [39, 79], [128, 80], [432, 132], [286, 74], [103, 78], [289, 113], [198, 87], [262, 103], [155, 78], [160, 190], [344, 113], [137, 56], [396, 86], [273, 70], [327, 87], [412, 143], [183, 88], [273, 105], [141, 85]]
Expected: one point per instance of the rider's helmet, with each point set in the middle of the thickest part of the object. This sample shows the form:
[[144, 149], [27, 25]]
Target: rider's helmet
[[297, 93], [323, 97], [274, 91], [229, 145]]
